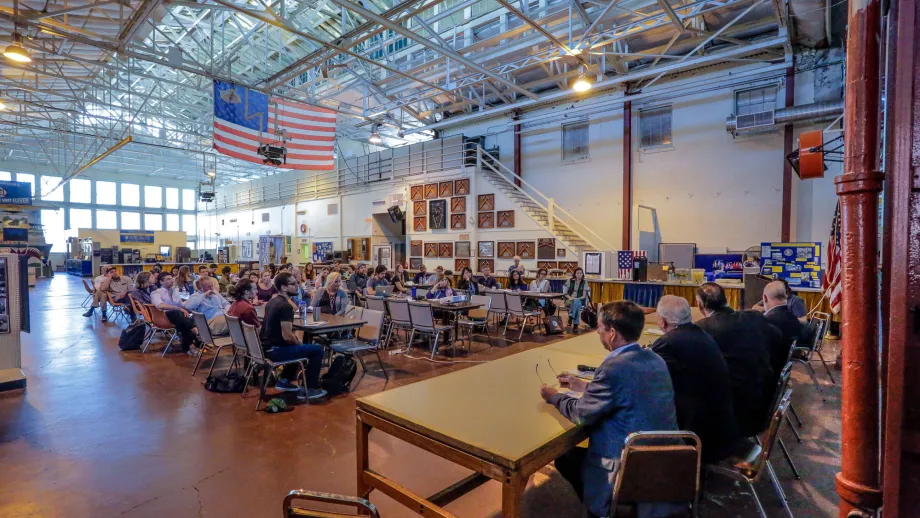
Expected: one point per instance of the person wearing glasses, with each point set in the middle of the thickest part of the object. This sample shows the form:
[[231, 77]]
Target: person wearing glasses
[[541, 285]]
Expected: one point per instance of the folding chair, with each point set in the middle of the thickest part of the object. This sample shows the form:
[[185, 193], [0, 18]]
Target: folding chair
[[750, 466], [256, 355], [238, 341], [477, 318], [363, 507], [138, 308], [159, 324], [658, 467], [117, 308], [516, 309], [366, 339], [378, 304], [802, 354], [90, 290], [398, 310], [208, 341], [422, 316], [497, 306], [781, 384]]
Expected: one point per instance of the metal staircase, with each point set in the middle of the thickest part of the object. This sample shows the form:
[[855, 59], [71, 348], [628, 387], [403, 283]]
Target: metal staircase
[[565, 227]]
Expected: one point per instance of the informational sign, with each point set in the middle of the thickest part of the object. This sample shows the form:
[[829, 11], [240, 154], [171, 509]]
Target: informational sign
[[729, 265], [135, 236], [320, 249], [15, 193], [15, 228], [799, 264]]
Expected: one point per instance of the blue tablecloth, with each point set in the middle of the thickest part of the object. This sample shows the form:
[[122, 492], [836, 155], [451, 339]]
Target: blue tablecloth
[[646, 295]]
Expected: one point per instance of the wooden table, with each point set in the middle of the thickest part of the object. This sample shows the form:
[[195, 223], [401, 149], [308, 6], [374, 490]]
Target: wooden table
[[333, 324], [540, 295], [495, 423], [456, 309]]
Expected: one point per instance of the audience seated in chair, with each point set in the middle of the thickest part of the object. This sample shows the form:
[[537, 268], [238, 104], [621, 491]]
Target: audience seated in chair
[[167, 300], [109, 283]]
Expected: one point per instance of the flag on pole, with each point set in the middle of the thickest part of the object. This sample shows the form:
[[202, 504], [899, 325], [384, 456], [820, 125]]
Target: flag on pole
[[832, 275], [626, 262], [244, 117]]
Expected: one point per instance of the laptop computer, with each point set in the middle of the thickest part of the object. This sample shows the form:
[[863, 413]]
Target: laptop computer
[[383, 291]]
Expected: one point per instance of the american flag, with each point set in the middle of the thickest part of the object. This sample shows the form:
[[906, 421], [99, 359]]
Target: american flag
[[626, 263], [832, 275], [242, 115]]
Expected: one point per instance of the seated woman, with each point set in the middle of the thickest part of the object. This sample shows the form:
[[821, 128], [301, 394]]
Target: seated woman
[[265, 288], [515, 282], [541, 285], [576, 294], [441, 289], [400, 278], [321, 277], [331, 299], [243, 293], [466, 282]]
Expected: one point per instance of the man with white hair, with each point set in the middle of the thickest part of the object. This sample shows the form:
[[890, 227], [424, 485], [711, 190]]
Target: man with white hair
[[699, 374], [777, 312]]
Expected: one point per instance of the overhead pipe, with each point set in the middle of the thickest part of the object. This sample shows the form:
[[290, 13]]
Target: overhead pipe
[[815, 112]]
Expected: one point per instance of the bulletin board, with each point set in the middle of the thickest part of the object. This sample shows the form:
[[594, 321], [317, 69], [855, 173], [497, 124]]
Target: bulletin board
[[681, 254], [799, 264]]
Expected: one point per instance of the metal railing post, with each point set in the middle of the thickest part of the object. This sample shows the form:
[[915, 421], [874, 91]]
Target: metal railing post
[[551, 214]]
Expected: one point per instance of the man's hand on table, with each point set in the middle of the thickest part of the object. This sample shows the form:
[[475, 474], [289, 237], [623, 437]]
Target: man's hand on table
[[547, 392]]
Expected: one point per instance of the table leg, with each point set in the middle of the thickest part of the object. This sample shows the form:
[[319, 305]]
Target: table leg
[[362, 431], [512, 490]]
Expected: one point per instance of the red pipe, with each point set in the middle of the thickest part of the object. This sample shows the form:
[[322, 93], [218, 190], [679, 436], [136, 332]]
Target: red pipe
[[858, 189], [627, 175], [786, 227]]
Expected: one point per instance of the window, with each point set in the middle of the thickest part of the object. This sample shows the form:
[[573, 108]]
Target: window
[[655, 127], [755, 100], [188, 199], [153, 222], [575, 141], [188, 224], [153, 196], [5, 175], [81, 190], [172, 198], [51, 190], [53, 226], [28, 178], [81, 218], [131, 220], [130, 195], [106, 219], [190, 244], [172, 221], [105, 193]]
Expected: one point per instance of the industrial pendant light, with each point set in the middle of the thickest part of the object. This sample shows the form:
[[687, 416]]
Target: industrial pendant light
[[375, 135], [582, 84], [16, 51]]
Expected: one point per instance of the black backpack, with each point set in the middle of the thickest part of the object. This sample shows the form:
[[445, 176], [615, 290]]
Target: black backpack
[[337, 379], [132, 336], [225, 383], [589, 316]]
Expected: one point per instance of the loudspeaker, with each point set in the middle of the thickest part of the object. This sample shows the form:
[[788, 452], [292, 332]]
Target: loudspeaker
[[396, 213]]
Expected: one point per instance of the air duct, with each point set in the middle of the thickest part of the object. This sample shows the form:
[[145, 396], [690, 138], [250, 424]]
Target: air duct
[[816, 112]]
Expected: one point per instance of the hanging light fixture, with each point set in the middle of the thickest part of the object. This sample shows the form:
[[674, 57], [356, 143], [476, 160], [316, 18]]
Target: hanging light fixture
[[16, 51], [2, 104], [375, 135], [582, 84], [212, 173]]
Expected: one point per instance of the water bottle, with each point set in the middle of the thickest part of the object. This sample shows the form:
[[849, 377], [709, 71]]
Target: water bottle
[[302, 307], [413, 292]]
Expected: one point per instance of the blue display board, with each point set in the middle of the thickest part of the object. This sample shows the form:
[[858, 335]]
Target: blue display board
[[320, 249], [728, 265], [799, 264], [15, 193], [136, 236]]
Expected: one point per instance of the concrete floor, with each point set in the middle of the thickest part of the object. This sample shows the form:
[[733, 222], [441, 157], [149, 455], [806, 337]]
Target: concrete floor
[[100, 433]]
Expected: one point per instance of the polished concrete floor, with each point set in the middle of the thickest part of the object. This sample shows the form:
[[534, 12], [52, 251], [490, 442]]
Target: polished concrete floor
[[100, 433]]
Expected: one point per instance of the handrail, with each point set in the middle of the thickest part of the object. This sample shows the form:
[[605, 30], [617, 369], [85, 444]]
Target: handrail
[[551, 208]]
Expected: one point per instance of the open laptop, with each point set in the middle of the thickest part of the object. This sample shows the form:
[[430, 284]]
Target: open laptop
[[383, 291]]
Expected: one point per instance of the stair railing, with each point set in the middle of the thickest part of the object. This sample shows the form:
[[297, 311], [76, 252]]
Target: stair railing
[[486, 160]]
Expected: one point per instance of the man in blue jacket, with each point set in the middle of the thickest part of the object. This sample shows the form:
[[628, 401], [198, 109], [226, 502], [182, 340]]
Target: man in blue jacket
[[631, 392]]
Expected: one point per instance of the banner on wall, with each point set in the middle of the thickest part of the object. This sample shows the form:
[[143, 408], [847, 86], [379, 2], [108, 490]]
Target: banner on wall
[[135, 236], [15, 193], [729, 265]]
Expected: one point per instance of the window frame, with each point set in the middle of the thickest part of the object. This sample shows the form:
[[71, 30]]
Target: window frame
[[586, 157], [742, 91], [643, 113]]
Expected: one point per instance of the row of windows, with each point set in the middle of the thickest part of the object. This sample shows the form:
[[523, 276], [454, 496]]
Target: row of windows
[[54, 223], [81, 191]]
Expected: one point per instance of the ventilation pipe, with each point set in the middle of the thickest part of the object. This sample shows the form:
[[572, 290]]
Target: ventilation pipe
[[816, 112]]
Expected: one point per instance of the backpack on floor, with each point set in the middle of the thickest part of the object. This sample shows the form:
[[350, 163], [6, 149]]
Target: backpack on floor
[[132, 336], [337, 380], [552, 325], [589, 316], [225, 383]]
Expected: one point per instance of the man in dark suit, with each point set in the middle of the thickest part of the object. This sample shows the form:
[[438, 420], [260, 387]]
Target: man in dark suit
[[777, 312], [744, 338], [631, 392], [702, 388]]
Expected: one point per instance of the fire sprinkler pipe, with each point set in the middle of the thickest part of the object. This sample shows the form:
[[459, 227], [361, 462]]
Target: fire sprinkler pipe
[[858, 190]]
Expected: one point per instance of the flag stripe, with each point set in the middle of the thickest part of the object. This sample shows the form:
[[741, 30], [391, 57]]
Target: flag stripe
[[832, 284], [258, 160], [252, 149], [231, 132]]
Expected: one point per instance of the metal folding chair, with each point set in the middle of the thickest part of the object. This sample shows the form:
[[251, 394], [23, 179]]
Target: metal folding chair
[[477, 318], [803, 353], [208, 341], [158, 323], [257, 356], [516, 309], [498, 305], [398, 310], [366, 339], [295, 499], [90, 290], [117, 308], [422, 316]]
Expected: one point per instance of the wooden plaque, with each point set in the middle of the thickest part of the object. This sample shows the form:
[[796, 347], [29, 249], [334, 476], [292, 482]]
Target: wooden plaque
[[461, 186], [437, 214], [462, 249], [560, 252], [486, 220], [431, 249], [415, 248], [486, 263], [445, 189], [458, 204], [445, 249], [415, 263], [460, 264], [506, 249], [568, 266], [486, 202], [417, 192], [526, 249], [458, 221], [487, 249], [549, 265], [419, 224], [546, 248], [505, 218], [419, 208], [431, 191]]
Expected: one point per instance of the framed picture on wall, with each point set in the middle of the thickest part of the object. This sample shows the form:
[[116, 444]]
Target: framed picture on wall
[[526, 249], [458, 204], [445, 249], [419, 208], [419, 224], [462, 249], [461, 187], [437, 214], [417, 192], [486, 202], [446, 189], [546, 248], [431, 191], [415, 248], [505, 218], [415, 263], [431, 249], [487, 249], [486, 220], [506, 249], [458, 221], [247, 249], [486, 263], [460, 264]]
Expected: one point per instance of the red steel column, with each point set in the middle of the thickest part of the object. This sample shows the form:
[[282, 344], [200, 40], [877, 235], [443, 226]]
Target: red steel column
[[786, 227], [627, 175], [858, 189]]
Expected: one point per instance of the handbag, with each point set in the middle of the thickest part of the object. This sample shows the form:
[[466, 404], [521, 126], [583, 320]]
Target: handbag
[[552, 325], [589, 315]]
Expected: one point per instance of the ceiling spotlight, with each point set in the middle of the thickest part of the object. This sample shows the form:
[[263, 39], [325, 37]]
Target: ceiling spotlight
[[16, 51], [582, 84], [375, 135]]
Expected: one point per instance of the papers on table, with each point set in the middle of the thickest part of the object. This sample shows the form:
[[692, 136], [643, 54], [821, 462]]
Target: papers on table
[[585, 375], [315, 324], [656, 332]]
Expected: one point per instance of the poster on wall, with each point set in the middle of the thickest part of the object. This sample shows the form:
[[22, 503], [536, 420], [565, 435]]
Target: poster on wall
[[135, 236], [723, 266], [4, 297], [15, 193], [799, 264], [15, 228], [247, 249], [320, 249]]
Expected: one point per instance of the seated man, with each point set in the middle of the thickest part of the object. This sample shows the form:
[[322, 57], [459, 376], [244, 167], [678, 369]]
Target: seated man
[[167, 300], [778, 313], [224, 280], [421, 275], [203, 271], [140, 292], [379, 279], [206, 300], [281, 344], [358, 281], [743, 337], [631, 392], [487, 281], [702, 389], [109, 283]]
